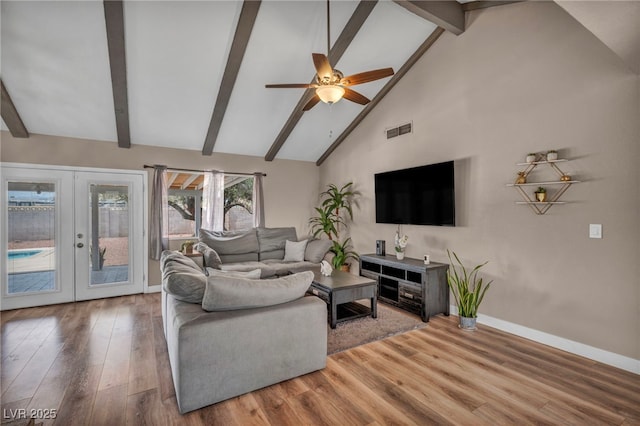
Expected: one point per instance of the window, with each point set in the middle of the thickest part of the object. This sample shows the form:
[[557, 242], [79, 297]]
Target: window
[[185, 203]]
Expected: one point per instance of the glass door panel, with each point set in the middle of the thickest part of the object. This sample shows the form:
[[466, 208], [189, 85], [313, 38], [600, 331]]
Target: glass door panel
[[109, 235], [35, 267]]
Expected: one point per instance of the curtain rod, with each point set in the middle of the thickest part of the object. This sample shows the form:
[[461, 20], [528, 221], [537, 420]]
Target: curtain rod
[[172, 169]]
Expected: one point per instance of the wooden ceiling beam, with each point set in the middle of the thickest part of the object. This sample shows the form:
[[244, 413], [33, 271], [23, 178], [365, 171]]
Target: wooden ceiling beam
[[114, 19], [387, 87], [447, 14], [360, 15], [475, 5], [189, 180], [244, 28], [10, 115]]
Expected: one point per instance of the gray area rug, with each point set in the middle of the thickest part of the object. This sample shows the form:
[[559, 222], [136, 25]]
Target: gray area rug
[[352, 333]]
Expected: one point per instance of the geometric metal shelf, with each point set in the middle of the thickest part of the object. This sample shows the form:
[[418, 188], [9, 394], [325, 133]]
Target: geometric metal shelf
[[539, 207]]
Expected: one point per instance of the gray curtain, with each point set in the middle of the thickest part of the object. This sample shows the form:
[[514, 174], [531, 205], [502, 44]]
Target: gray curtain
[[159, 223], [258, 201]]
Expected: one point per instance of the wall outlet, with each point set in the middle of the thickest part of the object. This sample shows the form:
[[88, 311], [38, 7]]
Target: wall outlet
[[595, 230]]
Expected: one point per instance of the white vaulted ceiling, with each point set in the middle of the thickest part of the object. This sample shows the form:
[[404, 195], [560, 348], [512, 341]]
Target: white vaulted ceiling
[[55, 66]]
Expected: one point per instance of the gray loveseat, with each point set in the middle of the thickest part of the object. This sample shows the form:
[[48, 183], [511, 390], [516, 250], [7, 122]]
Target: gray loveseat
[[254, 333], [268, 249]]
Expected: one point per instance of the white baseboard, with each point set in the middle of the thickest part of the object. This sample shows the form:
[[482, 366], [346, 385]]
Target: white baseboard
[[596, 354], [153, 289]]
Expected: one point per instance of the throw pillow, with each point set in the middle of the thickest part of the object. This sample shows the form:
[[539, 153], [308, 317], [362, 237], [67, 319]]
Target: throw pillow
[[209, 256], [316, 250], [294, 251], [253, 275], [228, 293]]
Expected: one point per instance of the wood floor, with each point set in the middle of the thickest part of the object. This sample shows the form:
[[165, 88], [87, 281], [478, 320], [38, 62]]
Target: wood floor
[[104, 362]]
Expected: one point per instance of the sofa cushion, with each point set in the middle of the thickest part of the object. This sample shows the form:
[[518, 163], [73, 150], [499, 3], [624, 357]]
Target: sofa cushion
[[210, 257], [316, 250], [182, 277], [294, 251], [224, 293], [272, 240], [281, 268], [254, 274], [266, 271], [232, 246]]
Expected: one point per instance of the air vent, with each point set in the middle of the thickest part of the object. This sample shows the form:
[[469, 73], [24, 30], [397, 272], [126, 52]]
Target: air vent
[[399, 131]]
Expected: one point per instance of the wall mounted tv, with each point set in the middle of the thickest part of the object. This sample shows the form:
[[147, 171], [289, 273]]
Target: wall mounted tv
[[418, 196]]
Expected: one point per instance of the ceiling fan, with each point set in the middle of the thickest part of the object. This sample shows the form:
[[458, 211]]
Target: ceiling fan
[[330, 84]]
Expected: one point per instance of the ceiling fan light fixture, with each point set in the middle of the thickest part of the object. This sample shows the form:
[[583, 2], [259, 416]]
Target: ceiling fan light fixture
[[330, 94]]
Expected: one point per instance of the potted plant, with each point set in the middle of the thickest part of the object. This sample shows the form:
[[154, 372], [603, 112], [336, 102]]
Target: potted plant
[[531, 157], [400, 244], [187, 247], [342, 253], [468, 291], [331, 216], [552, 155], [102, 251], [541, 194]]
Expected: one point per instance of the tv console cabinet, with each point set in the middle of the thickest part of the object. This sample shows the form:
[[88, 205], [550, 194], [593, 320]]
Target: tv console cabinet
[[409, 284]]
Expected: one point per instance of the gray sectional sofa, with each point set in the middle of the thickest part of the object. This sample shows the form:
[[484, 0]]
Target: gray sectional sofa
[[271, 250], [227, 336]]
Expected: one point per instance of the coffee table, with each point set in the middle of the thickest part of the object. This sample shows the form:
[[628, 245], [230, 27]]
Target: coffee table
[[340, 291]]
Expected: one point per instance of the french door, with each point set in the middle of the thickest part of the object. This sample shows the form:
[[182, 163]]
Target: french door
[[70, 235]]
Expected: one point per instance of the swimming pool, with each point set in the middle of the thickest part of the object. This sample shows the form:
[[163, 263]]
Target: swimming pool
[[20, 254]]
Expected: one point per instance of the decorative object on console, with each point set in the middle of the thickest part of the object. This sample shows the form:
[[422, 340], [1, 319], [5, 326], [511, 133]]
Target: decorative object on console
[[468, 291], [541, 202], [380, 247], [400, 244], [187, 247], [331, 217], [552, 155], [325, 268], [427, 259], [541, 194]]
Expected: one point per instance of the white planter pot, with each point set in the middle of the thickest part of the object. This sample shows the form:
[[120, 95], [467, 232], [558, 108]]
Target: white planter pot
[[400, 255], [552, 156], [530, 158], [468, 324]]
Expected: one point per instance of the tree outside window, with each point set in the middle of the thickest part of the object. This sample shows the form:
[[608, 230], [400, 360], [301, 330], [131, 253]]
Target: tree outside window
[[186, 207]]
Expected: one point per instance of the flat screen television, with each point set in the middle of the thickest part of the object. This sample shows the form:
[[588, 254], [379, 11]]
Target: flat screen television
[[418, 196]]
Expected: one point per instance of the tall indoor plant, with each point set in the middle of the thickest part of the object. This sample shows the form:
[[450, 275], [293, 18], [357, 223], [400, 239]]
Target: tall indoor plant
[[468, 290], [336, 206]]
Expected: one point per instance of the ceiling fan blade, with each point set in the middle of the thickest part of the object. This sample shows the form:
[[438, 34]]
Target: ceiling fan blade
[[322, 65], [312, 102], [290, 86], [356, 97], [367, 76]]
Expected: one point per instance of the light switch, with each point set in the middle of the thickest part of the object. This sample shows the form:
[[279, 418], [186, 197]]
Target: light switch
[[595, 230]]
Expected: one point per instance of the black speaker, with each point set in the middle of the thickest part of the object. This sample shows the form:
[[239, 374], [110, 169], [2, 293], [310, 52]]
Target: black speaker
[[380, 251]]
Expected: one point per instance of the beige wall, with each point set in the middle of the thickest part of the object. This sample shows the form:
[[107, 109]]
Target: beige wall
[[523, 77], [290, 188]]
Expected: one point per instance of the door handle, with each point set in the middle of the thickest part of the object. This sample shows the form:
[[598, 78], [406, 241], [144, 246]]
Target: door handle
[[80, 245]]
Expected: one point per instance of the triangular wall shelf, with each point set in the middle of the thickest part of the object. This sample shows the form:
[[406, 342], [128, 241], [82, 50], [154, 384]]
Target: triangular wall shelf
[[541, 207]]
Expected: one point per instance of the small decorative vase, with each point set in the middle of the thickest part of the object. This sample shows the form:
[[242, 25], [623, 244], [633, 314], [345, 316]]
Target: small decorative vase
[[400, 255], [541, 196], [468, 324], [522, 178], [530, 158], [552, 156], [565, 178]]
